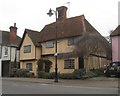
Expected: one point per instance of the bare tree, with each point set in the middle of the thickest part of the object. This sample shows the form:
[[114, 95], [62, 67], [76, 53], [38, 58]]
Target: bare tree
[[88, 44], [91, 44]]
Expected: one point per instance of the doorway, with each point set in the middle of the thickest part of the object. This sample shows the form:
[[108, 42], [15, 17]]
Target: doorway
[[81, 62], [5, 68]]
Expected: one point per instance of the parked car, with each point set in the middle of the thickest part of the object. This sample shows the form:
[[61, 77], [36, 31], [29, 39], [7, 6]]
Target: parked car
[[112, 69]]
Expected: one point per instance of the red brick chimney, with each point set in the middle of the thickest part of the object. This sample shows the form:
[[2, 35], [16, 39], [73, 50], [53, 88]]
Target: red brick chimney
[[62, 11], [13, 35]]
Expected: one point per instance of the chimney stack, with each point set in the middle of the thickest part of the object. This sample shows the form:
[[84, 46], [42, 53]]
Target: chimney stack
[[62, 11], [13, 35]]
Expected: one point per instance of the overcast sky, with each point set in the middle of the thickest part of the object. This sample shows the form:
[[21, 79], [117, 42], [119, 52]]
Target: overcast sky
[[31, 14]]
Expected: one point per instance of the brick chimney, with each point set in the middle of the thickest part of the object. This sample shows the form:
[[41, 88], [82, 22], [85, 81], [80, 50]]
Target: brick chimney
[[62, 11], [13, 35]]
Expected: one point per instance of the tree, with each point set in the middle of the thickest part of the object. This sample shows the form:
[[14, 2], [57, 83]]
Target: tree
[[89, 43]]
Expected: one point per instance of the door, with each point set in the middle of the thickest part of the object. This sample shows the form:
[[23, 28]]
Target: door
[[81, 62], [5, 68]]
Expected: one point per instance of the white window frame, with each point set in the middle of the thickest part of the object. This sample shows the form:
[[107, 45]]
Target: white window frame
[[69, 63], [5, 51], [27, 50], [29, 66]]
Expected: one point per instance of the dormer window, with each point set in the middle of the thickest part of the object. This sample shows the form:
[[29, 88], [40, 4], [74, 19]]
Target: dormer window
[[27, 49], [49, 44]]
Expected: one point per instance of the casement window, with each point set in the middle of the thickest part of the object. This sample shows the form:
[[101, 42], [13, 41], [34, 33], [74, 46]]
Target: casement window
[[6, 51], [71, 41], [29, 66], [49, 44], [69, 64], [27, 48]]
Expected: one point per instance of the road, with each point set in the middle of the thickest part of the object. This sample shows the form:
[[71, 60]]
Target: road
[[18, 87]]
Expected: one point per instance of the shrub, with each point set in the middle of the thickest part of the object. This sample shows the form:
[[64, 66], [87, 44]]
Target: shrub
[[13, 72], [22, 72], [52, 75], [40, 73], [45, 75], [77, 74], [98, 72], [66, 76], [30, 74], [19, 73], [88, 74]]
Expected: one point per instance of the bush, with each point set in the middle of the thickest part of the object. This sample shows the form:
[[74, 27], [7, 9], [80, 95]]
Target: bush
[[29, 74], [45, 75], [52, 75], [13, 72], [88, 74], [77, 74], [66, 76], [20, 73], [40, 73], [98, 72]]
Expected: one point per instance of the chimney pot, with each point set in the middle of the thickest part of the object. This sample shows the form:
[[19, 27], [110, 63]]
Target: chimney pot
[[13, 34], [62, 11], [14, 24]]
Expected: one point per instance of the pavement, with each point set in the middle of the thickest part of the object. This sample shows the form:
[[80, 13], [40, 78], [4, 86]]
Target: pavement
[[91, 82]]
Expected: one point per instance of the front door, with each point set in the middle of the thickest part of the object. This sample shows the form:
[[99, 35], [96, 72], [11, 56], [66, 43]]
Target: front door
[[5, 68], [81, 62]]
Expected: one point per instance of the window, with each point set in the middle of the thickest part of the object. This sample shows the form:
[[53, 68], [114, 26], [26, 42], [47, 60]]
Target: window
[[49, 44], [29, 66], [6, 51], [71, 41], [69, 64], [27, 49]]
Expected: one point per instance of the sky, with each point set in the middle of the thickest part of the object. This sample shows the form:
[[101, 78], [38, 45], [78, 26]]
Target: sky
[[32, 14]]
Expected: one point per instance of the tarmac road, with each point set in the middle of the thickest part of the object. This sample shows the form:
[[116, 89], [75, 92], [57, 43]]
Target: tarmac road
[[47, 86]]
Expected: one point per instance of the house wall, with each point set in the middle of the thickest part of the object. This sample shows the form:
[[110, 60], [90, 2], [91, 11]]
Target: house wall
[[60, 65], [62, 47], [8, 56], [38, 53], [18, 56], [34, 65], [94, 62], [13, 54], [31, 55], [115, 48]]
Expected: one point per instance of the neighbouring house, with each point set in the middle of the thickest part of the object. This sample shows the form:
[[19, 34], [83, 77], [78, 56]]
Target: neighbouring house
[[9, 54], [68, 31], [115, 35]]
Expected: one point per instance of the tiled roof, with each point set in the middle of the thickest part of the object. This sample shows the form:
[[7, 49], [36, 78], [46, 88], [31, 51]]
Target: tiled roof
[[34, 35], [70, 27], [5, 38], [116, 32]]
